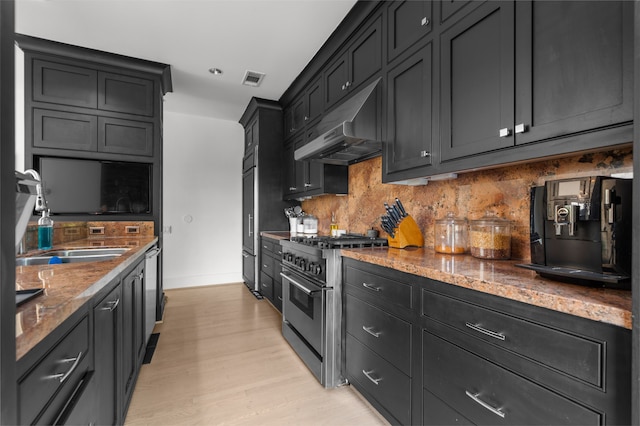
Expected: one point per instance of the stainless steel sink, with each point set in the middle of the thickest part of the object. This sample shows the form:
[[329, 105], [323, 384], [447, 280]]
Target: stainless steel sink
[[87, 252], [72, 256]]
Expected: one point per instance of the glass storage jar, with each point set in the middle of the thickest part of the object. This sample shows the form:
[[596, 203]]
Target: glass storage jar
[[451, 235], [490, 237]]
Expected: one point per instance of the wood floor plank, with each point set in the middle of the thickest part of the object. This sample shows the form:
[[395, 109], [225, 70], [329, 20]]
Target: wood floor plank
[[221, 360]]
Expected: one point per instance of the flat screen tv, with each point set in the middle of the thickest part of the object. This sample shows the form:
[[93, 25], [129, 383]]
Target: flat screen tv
[[74, 186]]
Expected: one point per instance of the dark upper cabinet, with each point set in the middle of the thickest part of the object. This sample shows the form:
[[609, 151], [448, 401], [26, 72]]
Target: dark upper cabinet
[[314, 102], [64, 84], [410, 119], [125, 136], [64, 130], [251, 136], [407, 22], [120, 93], [305, 110], [571, 73], [477, 82], [573, 67], [360, 61]]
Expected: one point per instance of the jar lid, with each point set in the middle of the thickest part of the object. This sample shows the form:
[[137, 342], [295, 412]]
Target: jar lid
[[490, 218], [451, 219]]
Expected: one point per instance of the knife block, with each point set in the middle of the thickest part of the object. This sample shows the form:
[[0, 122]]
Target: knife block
[[407, 234]]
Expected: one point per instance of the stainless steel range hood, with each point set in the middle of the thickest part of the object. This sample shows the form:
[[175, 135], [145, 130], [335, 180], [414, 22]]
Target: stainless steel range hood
[[349, 133]]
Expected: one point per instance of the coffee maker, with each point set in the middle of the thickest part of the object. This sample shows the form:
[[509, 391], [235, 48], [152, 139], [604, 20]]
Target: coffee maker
[[581, 231]]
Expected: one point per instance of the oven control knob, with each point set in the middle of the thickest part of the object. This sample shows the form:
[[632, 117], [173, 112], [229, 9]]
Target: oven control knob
[[303, 264], [288, 257], [317, 269], [297, 260]]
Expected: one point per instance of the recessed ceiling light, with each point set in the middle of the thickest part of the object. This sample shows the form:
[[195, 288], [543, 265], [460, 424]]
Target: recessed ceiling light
[[215, 71]]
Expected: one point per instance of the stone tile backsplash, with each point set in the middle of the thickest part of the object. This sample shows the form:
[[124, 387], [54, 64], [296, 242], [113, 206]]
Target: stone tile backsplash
[[504, 191]]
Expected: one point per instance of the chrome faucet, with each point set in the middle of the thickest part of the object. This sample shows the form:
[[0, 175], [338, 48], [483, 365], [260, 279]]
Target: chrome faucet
[[41, 202]]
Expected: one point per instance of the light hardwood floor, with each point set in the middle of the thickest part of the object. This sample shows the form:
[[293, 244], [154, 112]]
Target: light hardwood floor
[[221, 360]]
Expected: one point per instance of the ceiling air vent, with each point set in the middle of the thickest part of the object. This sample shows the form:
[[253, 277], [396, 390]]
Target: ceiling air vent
[[252, 78]]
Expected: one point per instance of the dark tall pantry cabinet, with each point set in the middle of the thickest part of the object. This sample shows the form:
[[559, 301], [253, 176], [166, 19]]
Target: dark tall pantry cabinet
[[262, 203]]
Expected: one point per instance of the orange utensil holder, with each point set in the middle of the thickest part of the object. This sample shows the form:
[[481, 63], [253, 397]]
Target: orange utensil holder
[[407, 234]]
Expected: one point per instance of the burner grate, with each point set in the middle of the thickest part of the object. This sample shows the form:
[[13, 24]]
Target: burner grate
[[343, 241]]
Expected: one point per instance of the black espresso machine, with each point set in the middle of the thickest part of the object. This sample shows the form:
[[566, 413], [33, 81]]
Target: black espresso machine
[[581, 231]]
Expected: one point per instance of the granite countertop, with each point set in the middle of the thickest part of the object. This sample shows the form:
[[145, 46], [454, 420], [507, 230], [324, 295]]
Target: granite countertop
[[502, 278], [67, 287]]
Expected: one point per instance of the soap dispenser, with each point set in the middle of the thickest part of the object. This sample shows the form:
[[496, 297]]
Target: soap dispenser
[[45, 231]]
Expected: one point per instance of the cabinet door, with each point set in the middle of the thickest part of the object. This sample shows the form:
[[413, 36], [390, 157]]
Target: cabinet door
[[335, 79], [365, 55], [248, 139], [133, 330], [290, 164], [121, 93], [64, 84], [248, 214], [125, 136], [408, 21], [299, 115], [410, 119], [314, 101], [574, 67], [107, 324], [65, 130], [477, 72]]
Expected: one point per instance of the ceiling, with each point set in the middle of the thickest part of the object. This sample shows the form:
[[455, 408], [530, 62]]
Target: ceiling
[[275, 37]]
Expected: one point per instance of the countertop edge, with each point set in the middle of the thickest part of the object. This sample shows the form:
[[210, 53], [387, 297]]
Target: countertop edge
[[597, 304]]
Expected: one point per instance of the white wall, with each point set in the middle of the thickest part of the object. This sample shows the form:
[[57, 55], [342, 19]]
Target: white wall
[[202, 201]]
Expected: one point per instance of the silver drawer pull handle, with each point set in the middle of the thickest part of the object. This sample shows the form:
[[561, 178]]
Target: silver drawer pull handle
[[370, 331], [371, 287], [494, 410], [112, 305], [368, 374], [63, 376], [480, 329]]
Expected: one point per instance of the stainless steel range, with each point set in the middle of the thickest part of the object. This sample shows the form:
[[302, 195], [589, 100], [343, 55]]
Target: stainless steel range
[[312, 300]]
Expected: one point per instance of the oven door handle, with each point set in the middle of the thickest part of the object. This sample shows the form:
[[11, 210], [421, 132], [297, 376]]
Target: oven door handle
[[297, 284]]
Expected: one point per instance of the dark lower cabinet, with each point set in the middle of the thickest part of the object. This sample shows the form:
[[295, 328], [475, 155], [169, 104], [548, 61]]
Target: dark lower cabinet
[[107, 323], [271, 266], [53, 381], [133, 343], [439, 354]]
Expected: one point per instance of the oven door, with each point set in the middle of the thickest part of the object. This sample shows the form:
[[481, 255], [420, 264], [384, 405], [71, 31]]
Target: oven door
[[303, 307]]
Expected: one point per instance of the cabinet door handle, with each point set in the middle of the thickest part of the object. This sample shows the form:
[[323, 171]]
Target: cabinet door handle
[[64, 376], [520, 128], [245, 255], [371, 287], [348, 84], [425, 22], [344, 87], [249, 224], [425, 154], [370, 331], [368, 374], [307, 185], [292, 188], [480, 329], [475, 397], [112, 305], [503, 133]]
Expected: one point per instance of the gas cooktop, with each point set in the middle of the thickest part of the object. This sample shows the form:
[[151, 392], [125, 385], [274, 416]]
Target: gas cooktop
[[343, 241]]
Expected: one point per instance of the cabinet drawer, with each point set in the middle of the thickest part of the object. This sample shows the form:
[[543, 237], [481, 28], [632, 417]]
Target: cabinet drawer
[[577, 356], [267, 265], [387, 335], [485, 393], [435, 412], [266, 286], [378, 378], [373, 283], [267, 245], [61, 367]]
